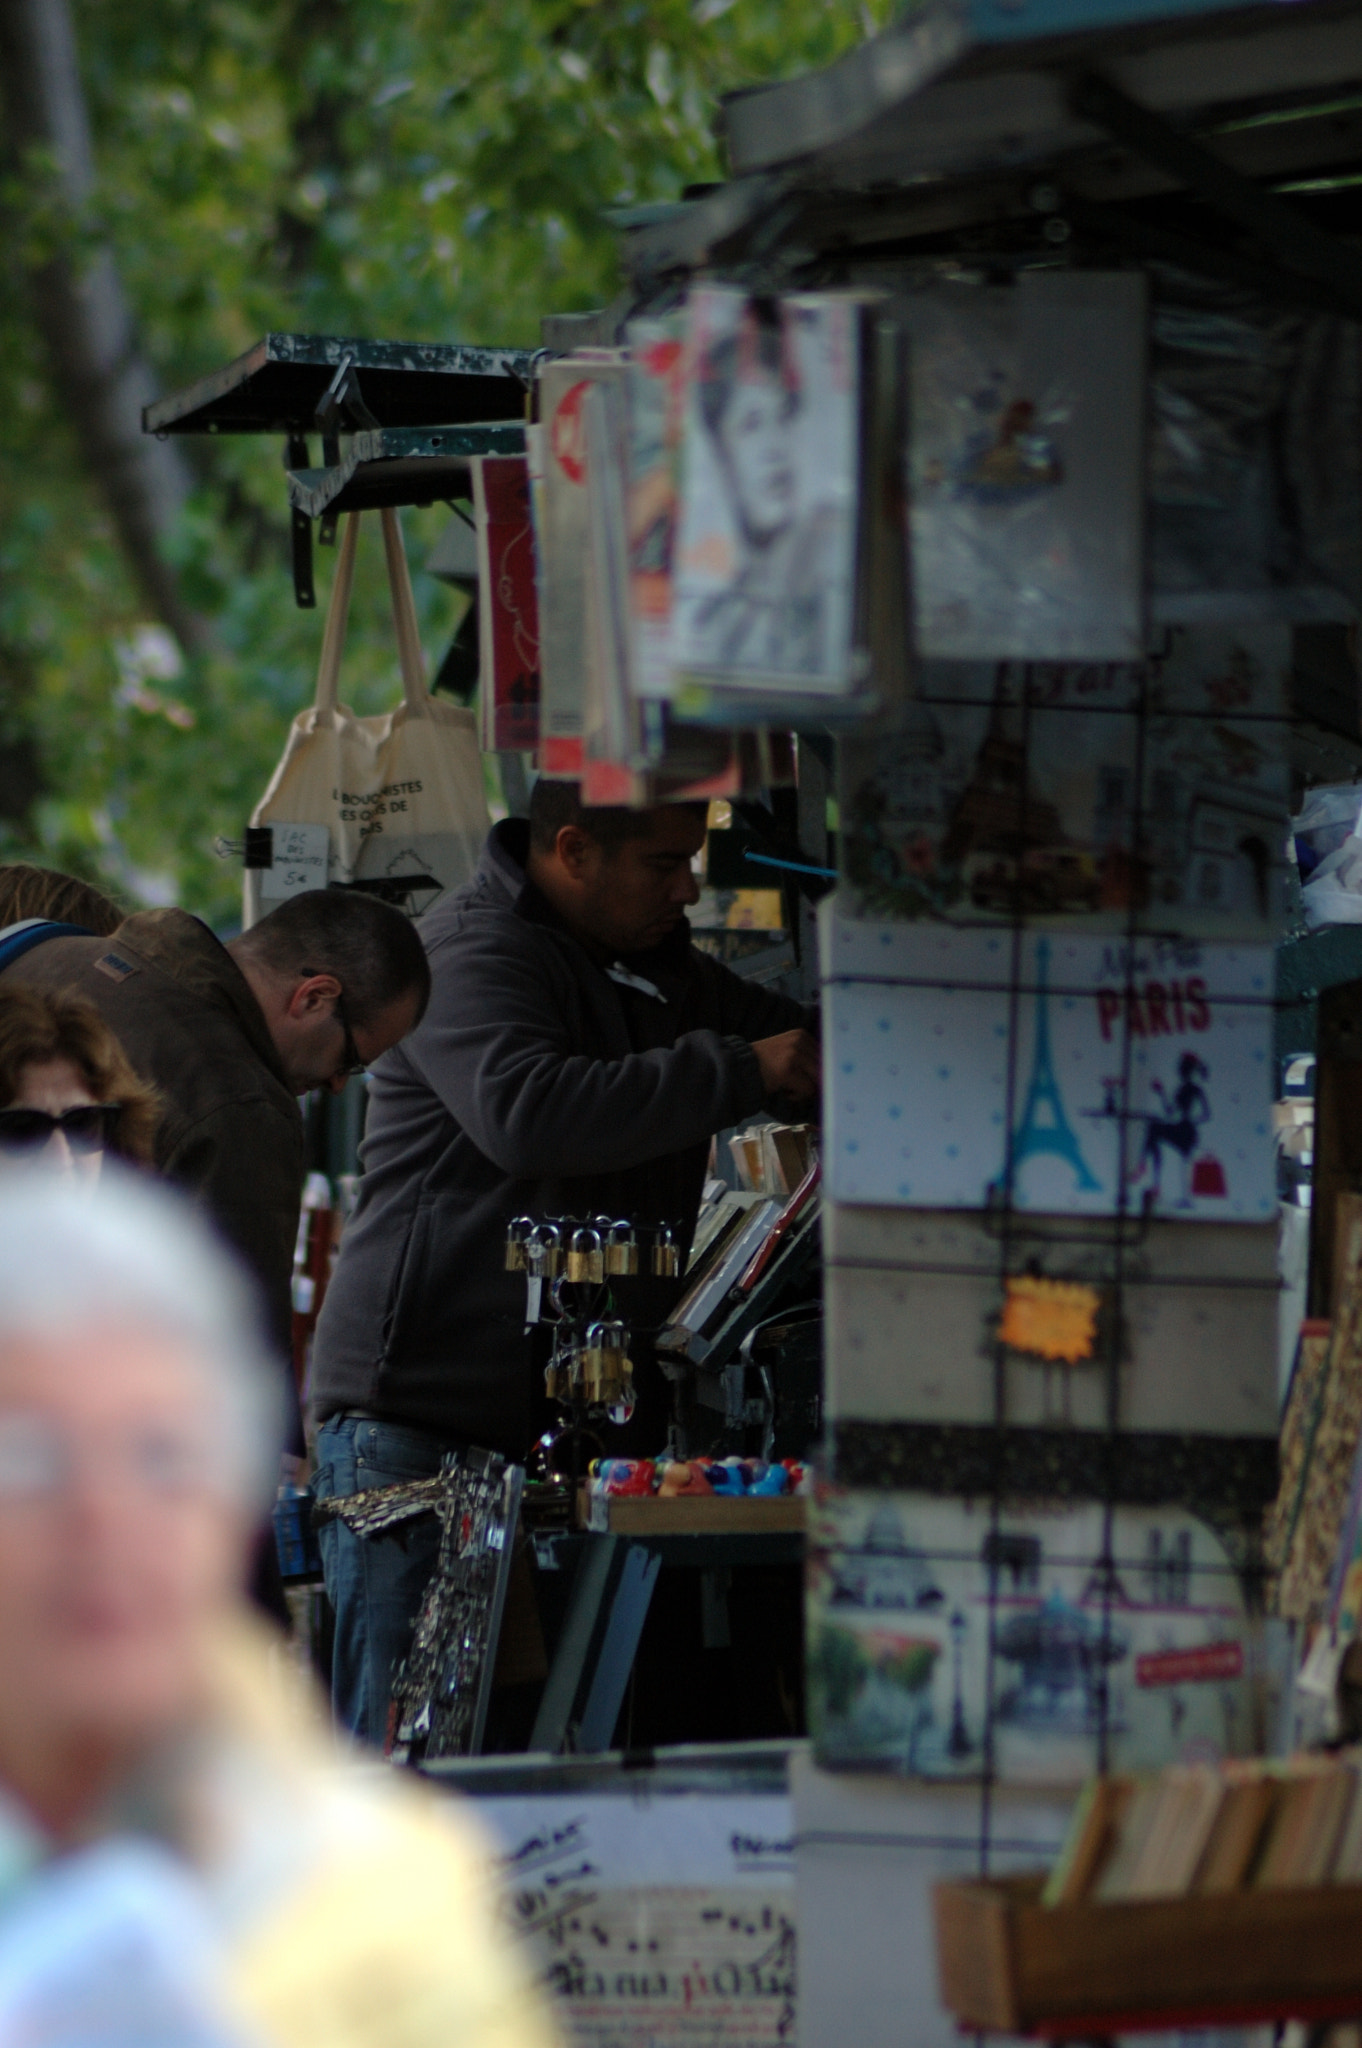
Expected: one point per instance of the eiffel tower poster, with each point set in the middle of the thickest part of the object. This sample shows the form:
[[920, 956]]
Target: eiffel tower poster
[[1043, 1129]]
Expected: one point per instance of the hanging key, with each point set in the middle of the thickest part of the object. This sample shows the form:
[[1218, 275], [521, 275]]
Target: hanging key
[[534, 1279], [585, 1258], [618, 1380]]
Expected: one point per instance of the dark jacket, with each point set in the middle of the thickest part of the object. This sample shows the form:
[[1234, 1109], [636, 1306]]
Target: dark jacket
[[534, 1085], [230, 1130]]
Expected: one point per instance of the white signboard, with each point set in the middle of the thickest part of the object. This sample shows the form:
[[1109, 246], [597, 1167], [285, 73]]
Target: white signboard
[[656, 1919], [300, 858]]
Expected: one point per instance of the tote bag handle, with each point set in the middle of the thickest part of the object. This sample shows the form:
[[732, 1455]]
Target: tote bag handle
[[414, 690]]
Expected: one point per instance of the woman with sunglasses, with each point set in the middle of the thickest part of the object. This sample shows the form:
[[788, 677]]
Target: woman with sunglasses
[[67, 1092]]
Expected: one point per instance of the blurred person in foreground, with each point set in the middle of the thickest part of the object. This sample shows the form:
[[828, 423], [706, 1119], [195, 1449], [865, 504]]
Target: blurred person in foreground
[[138, 1699], [67, 1093]]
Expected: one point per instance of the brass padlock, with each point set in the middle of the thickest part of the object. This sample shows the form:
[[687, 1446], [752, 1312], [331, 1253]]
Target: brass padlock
[[592, 1363], [547, 1241], [666, 1257], [617, 1378], [518, 1236], [606, 1370], [621, 1249], [585, 1258]]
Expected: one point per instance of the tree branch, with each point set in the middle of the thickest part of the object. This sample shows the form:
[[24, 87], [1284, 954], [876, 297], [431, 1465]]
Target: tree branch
[[97, 365]]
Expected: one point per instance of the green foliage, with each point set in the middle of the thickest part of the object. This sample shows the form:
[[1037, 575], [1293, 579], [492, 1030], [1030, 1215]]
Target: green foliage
[[411, 169]]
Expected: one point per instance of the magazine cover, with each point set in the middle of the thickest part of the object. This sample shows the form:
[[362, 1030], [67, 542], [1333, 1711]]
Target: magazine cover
[[611, 724], [1080, 1075], [905, 1591], [1026, 468], [656, 392], [508, 616], [565, 555], [1083, 793], [766, 559]]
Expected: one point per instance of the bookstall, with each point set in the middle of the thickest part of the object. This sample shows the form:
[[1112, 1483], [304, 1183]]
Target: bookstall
[[966, 497]]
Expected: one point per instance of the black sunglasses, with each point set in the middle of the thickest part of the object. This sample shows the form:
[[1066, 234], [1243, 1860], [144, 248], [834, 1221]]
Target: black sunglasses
[[86, 1128], [350, 1056]]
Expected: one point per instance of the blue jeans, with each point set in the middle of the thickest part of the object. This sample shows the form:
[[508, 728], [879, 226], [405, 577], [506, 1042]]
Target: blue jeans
[[375, 1583]]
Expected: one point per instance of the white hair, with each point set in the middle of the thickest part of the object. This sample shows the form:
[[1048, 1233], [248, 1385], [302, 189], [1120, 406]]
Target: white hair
[[130, 1254]]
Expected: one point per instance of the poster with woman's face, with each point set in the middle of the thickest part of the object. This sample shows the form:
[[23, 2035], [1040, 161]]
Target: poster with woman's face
[[766, 559]]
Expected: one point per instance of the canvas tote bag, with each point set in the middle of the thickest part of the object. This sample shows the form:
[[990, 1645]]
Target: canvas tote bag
[[393, 804]]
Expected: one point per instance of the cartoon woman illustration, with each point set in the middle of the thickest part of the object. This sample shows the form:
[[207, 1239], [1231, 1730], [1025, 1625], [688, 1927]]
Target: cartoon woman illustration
[[1179, 1127]]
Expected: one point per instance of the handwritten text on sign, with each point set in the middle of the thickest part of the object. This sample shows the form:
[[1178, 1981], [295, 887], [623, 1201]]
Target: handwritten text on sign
[[638, 1961]]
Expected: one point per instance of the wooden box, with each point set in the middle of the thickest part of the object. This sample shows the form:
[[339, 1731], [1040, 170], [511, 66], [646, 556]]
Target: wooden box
[[703, 1516], [1008, 1963]]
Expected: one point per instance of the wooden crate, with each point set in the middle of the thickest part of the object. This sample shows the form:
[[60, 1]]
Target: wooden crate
[[705, 1516], [1008, 1963]]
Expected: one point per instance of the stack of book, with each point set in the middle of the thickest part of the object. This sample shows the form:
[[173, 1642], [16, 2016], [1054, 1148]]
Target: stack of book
[[1200, 1829]]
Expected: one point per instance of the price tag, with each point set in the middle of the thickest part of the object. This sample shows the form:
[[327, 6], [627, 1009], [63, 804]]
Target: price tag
[[301, 854]]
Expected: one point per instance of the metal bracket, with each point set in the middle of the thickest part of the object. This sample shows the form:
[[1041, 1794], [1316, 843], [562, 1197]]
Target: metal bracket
[[304, 590], [343, 400], [1290, 236], [607, 1608]]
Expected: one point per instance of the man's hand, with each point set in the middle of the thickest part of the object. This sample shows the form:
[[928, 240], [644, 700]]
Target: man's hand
[[790, 1063]]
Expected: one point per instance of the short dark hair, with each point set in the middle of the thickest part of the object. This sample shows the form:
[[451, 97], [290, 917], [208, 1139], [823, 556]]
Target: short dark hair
[[556, 804], [758, 344], [374, 951]]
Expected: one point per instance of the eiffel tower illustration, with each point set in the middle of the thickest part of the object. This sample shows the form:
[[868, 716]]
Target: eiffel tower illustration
[[1044, 1127]]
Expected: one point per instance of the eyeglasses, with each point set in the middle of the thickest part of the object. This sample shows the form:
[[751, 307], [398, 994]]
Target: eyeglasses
[[41, 1458], [86, 1128], [351, 1063]]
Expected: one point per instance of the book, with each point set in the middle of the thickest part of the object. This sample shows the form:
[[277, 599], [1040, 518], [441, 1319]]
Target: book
[[1347, 1866], [611, 724], [1315, 1525], [1189, 1799], [1295, 1818], [1087, 795], [1237, 1831], [764, 584], [1026, 467], [656, 390], [1093, 1829], [563, 537], [1137, 1824], [508, 604], [1330, 1806]]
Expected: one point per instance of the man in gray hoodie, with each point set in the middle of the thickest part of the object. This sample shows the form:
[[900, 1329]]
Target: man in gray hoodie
[[577, 1055]]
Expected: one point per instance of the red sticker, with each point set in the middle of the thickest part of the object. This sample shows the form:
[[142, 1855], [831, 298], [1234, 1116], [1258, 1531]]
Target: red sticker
[[569, 433], [1190, 1667]]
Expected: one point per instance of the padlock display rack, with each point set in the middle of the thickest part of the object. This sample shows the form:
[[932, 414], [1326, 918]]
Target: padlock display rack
[[572, 1267]]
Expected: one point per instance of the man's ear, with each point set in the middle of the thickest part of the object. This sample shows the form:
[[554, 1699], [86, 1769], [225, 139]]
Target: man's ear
[[574, 848], [313, 995]]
